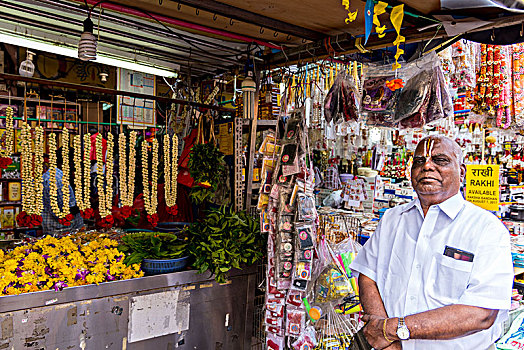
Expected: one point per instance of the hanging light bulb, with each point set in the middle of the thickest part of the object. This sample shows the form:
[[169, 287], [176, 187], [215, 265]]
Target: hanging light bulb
[[87, 43], [27, 68], [248, 90]]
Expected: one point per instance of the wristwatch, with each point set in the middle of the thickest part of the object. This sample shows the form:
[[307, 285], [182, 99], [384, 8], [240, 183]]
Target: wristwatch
[[402, 329]]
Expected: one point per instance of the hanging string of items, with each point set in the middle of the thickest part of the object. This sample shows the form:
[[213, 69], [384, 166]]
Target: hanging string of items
[[82, 178], [63, 214], [171, 172], [150, 194], [31, 173], [127, 168], [105, 194], [5, 153]]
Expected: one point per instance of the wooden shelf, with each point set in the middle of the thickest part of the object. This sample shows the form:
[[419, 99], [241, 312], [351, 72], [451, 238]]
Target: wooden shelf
[[15, 179], [518, 270]]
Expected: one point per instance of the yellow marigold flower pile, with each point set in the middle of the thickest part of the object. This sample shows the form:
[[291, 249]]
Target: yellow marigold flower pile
[[56, 263]]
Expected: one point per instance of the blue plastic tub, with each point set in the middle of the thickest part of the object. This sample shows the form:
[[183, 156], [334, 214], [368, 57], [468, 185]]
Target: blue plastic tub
[[157, 267], [135, 230]]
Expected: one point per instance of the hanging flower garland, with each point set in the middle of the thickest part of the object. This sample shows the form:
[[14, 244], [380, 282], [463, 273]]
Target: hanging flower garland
[[150, 196], [5, 153], [26, 156], [38, 174], [171, 172], [64, 216], [31, 173], [105, 193], [127, 168], [87, 211], [78, 163], [82, 179]]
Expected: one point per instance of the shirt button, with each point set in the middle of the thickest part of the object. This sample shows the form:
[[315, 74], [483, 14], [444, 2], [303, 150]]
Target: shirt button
[[413, 297], [417, 266]]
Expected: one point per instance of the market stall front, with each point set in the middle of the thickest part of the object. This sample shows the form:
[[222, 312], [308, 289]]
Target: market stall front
[[165, 311], [155, 157]]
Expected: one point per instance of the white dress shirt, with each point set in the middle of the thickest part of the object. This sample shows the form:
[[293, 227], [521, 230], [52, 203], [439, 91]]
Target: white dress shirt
[[405, 257]]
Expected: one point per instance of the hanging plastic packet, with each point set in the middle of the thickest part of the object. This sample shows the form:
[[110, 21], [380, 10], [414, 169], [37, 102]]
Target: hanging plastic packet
[[294, 297], [275, 342], [295, 321], [286, 223], [376, 94], [293, 126], [418, 119], [273, 320], [413, 95], [342, 101], [306, 340], [305, 236], [306, 207]]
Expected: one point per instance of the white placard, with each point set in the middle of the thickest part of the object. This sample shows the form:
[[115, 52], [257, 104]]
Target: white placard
[[158, 314]]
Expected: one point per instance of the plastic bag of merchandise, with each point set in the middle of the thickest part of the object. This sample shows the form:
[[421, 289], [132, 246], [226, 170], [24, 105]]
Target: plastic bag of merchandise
[[379, 95], [333, 200], [440, 103], [413, 95], [514, 338], [329, 286], [341, 102]]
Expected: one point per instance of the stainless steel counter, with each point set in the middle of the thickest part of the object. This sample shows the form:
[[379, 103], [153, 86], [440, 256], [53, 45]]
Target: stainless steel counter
[[181, 310]]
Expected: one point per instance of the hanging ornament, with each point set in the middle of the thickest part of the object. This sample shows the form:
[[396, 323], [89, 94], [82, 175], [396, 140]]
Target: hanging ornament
[[397, 16], [127, 168], [368, 17], [351, 15], [150, 195], [171, 172], [379, 9]]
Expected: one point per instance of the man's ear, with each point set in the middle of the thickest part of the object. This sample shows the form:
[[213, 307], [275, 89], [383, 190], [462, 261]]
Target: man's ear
[[462, 172]]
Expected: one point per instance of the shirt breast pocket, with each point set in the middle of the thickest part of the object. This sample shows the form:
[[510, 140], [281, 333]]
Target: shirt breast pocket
[[448, 279]]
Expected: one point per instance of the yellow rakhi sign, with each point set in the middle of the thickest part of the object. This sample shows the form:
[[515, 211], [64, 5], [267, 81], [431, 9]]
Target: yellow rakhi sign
[[482, 186]]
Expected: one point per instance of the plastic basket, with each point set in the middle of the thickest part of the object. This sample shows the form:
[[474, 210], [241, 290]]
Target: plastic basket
[[157, 267]]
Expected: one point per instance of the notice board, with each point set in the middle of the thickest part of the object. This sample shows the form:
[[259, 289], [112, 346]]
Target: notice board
[[134, 111]]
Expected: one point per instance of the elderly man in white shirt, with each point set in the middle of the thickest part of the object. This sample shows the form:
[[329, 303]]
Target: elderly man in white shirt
[[437, 273]]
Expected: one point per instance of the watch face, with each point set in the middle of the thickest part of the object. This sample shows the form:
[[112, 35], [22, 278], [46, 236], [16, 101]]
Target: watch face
[[403, 333]]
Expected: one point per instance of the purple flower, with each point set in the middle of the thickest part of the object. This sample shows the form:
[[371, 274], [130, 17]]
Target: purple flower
[[18, 272], [59, 286], [48, 270], [109, 276], [45, 256], [81, 274], [27, 251], [118, 258]]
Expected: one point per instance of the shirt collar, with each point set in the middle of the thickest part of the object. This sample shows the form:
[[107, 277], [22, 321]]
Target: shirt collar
[[451, 206]]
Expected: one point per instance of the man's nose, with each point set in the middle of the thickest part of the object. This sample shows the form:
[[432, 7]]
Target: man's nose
[[428, 164]]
